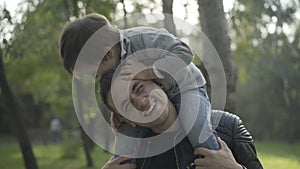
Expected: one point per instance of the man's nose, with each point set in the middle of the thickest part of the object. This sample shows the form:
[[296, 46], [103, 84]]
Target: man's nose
[[142, 103]]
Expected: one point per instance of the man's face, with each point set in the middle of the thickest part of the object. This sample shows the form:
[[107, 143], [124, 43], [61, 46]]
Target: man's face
[[142, 102]]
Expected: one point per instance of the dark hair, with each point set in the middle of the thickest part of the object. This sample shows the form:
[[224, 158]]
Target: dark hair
[[105, 86], [76, 34]]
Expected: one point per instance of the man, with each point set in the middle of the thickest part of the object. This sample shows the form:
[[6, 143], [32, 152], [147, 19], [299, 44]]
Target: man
[[55, 128], [160, 115]]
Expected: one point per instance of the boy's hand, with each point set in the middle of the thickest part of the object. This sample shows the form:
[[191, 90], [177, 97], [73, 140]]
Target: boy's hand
[[137, 71]]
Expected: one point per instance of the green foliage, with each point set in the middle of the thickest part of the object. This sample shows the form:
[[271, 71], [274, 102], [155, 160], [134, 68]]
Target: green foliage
[[71, 145], [33, 65], [268, 61]]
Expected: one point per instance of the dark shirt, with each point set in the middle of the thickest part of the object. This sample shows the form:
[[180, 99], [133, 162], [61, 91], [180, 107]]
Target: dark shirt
[[231, 130], [171, 159]]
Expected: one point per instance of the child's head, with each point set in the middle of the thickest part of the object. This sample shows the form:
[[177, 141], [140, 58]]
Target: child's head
[[77, 33]]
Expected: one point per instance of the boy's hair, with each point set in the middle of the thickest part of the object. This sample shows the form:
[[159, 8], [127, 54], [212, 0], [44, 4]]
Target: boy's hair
[[76, 34]]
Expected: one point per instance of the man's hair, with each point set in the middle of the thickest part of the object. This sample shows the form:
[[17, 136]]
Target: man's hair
[[76, 34], [105, 86]]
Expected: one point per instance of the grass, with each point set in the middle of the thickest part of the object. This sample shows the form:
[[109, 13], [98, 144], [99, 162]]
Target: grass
[[273, 155], [50, 157], [278, 155]]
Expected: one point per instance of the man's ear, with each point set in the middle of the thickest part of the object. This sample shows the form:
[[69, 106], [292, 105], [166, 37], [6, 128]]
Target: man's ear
[[109, 55]]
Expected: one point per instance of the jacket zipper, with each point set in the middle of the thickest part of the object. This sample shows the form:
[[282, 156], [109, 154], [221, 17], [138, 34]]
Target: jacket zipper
[[176, 158], [146, 154]]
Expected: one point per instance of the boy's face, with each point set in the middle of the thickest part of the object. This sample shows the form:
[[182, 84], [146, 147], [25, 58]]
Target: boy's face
[[110, 61], [105, 66], [91, 69]]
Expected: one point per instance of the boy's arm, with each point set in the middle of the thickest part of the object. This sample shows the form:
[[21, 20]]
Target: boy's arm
[[176, 55], [170, 55], [137, 70]]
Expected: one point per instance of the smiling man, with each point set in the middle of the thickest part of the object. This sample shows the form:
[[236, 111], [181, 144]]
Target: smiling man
[[147, 105], [144, 103]]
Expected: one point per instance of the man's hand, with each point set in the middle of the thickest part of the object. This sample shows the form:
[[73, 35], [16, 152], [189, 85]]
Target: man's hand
[[137, 71], [216, 159], [115, 163]]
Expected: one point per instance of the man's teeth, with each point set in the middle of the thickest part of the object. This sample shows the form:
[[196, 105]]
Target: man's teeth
[[149, 111]]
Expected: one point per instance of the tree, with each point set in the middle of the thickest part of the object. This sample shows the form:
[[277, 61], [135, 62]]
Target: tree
[[214, 26], [13, 107], [168, 20], [268, 56], [33, 66]]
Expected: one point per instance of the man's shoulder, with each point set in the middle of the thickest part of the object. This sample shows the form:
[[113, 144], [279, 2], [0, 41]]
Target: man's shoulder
[[230, 126], [223, 119]]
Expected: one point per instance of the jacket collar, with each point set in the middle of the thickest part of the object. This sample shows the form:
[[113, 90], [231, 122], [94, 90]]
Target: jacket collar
[[124, 45]]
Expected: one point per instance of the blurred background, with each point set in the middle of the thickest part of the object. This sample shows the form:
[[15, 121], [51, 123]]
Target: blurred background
[[257, 41]]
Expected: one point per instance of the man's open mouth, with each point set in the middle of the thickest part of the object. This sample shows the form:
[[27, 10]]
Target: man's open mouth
[[150, 110]]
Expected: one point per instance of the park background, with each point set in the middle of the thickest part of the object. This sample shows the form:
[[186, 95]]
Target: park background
[[257, 41]]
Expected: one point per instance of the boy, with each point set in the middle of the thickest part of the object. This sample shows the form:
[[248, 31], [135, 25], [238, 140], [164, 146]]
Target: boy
[[145, 54]]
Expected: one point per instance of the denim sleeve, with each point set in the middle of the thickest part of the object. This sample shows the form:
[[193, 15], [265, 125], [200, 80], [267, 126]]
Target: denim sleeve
[[175, 54]]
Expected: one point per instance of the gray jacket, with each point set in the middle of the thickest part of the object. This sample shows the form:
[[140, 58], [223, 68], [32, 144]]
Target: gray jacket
[[169, 57]]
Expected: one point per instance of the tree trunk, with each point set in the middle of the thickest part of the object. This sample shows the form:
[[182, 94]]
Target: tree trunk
[[85, 138], [11, 104], [168, 20], [125, 15], [285, 80], [214, 26], [67, 11], [87, 147]]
